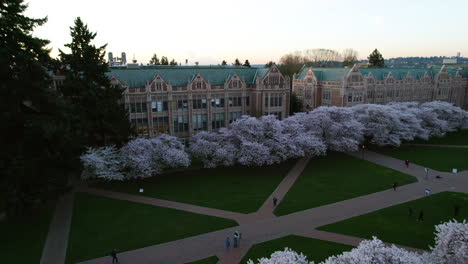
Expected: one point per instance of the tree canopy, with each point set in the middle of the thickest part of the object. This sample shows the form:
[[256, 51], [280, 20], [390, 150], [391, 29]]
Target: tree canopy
[[376, 60], [99, 117], [34, 120]]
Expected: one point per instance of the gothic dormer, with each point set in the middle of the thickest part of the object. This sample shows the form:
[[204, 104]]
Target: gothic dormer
[[198, 83], [158, 84]]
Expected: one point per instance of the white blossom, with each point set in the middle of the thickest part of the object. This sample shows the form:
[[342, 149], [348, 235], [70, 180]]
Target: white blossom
[[105, 163]]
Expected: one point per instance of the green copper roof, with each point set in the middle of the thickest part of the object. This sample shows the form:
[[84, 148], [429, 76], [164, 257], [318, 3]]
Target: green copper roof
[[338, 74], [180, 76]]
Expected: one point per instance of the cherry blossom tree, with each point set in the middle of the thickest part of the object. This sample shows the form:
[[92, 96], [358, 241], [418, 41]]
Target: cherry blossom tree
[[451, 247], [336, 126], [147, 157], [451, 117], [104, 163], [382, 125], [287, 256], [375, 252], [451, 243]]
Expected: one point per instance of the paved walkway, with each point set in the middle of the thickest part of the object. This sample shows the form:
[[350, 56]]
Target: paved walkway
[[55, 247], [344, 239], [261, 229]]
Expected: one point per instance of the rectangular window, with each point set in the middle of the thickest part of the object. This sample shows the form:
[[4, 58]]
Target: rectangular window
[[161, 124], [217, 120], [199, 103], [234, 84], [247, 101], [138, 107], [233, 116], [217, 102], [235, 101], [326, 95], [199, 85], [158, 106], [158, 86], [266, 101], [350, 97], [140, 125], [182, 104], [200, 122], [180, 123]]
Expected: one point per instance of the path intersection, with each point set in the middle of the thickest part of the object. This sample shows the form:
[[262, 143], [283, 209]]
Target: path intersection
[[257, 227]]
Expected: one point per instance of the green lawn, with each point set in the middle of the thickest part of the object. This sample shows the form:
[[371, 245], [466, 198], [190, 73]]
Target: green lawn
[[100, 224], [337, 177], [454, 138], [315, 250], [210, 260], [22, 239], [437, 158], [238, 189], [394, 225]]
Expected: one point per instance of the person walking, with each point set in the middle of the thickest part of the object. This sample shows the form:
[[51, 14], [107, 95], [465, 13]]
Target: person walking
[[407, 163], [236, 238], [427, 191], [421, 215], [228, 243], [394, 186], [426, 170], [113, 254], [275, 201]]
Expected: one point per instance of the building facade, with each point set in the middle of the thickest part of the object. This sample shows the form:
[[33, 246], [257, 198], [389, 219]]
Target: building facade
[[348, 87], [182, 100]]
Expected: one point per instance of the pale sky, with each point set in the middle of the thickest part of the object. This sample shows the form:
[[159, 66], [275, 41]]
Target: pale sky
[[210, 31]]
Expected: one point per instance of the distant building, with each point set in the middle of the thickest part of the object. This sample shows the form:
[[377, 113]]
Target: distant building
[[183, 100], [348, 87], [116, 61], [450, 61]]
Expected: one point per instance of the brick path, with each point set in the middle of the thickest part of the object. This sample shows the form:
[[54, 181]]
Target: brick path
[[264, 226], [55, 247]]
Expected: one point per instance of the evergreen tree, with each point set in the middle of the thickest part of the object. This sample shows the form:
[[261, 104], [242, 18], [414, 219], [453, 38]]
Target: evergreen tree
[[154, 60], [237, 63], [173, 62], [100, 118], [269, 64], [376, 60], [164, 60], [247, 63], [34, 126], [224, 63]]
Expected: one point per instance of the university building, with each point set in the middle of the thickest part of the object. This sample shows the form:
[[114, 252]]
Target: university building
[[183, 100], [348, 87]]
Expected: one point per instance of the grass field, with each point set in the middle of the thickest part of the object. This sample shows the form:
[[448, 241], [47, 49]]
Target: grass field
[[437, 158], [101, 224], [210, 260], [238, 189], [337, 177], [315, 250], [394, 225], [22, 239], [454, 138]]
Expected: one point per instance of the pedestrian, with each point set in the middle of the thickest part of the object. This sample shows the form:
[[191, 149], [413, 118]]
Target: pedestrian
[[421, 215], [394, 186], [456, 210], [410, 211], [228, 243], [114, 256], [236, 239], [275, 201], [427, 191], [407, 163], [426, 170]]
